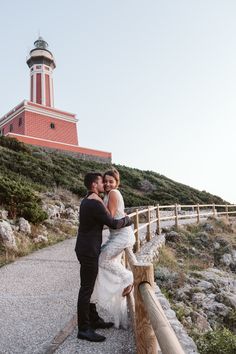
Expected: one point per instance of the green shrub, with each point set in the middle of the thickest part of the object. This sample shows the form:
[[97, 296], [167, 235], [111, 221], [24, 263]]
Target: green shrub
[[79, 189], [33, 212], [230, 320], [14, 144], [179, 311], [20, 200], [217, 342]]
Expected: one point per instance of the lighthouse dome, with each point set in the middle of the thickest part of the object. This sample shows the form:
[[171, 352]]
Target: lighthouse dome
[[40, 43], [40, 54]]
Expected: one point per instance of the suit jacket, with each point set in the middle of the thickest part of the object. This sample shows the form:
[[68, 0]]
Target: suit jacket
[[92, 218]]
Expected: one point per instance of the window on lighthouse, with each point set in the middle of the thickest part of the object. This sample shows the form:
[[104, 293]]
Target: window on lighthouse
[[11, 127], [52, 126]]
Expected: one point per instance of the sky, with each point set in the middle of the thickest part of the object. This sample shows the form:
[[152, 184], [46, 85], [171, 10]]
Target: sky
[[152, 81]]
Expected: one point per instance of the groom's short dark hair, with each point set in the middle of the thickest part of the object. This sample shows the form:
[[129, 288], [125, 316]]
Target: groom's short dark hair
[[90, 178]]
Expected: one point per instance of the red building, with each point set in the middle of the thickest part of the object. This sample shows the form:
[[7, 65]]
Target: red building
[[37, 122]]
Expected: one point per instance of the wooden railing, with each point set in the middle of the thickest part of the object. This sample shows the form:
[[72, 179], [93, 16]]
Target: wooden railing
[[176, 209], [151, 326]]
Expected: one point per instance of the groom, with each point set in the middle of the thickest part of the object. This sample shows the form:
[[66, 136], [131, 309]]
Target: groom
[[92, 217]]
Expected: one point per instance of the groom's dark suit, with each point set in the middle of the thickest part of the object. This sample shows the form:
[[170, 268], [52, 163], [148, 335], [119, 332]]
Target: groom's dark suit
[[93, 216]]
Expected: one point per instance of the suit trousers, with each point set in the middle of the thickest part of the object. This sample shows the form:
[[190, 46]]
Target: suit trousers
[[88, 274]]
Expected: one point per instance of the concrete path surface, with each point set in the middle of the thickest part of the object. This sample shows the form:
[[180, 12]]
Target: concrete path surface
[[38, 296], [117, 342]]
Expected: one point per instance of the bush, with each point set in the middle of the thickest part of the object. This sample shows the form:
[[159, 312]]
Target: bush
[[217, 342], [13, 144], [79, 189], [20, 200], [146, 186], [33, 212]]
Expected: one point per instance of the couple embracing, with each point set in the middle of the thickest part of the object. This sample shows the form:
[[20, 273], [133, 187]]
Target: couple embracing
[[104, 279]]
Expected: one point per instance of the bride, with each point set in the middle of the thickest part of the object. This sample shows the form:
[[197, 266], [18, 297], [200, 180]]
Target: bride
[[114, 281]]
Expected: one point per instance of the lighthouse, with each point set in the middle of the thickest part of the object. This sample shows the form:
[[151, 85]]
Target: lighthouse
[[37, 122], [41, 63]]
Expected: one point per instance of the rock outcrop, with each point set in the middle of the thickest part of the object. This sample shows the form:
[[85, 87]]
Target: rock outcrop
[[7, 236], [20, 236]]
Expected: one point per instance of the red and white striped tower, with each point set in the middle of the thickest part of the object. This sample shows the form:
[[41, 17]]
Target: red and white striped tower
[[41, 63]]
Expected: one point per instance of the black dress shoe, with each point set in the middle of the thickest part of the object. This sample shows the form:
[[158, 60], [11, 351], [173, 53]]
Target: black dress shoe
[[90, 335], [100, 323]]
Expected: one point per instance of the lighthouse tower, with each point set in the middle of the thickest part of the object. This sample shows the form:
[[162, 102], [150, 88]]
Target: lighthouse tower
[[41, 63], [37, 122]]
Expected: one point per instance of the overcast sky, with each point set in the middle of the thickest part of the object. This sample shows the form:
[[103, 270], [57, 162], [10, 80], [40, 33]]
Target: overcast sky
[[152, 81]]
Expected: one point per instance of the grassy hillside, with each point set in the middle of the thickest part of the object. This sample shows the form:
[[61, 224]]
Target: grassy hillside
[[26, 171]]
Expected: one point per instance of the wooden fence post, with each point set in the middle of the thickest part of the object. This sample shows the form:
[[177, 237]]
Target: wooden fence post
[[176, 216], [146, 341], [136, 226], [227, 210], [149, 234], [6, 255], [214, 210], [198, 214], [158, 220]]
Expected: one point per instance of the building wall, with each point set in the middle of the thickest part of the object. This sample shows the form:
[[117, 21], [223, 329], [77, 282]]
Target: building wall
[[39, 126], [17, 124], [82, 156], [32, 124]]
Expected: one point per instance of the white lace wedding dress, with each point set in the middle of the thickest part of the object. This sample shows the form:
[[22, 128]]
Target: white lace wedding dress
[[113, 277]]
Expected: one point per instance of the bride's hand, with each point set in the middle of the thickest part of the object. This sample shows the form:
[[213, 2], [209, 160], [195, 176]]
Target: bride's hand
[[96, 197]]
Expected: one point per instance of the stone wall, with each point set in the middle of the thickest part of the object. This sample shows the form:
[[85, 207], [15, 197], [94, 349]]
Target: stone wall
[[81, 156]]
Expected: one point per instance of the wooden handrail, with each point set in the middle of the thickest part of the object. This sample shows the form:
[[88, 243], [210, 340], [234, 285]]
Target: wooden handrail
[[166, 206], [166, 337], [152, 328], [184, 206]]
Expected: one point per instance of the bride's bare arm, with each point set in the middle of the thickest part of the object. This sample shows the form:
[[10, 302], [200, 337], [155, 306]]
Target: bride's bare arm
[[112, 203]]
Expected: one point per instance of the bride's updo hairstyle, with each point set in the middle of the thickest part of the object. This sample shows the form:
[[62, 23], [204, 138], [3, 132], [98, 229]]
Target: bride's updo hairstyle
[[115, 174]]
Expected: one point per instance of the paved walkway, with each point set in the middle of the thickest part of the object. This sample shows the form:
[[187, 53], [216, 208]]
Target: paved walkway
[[117, 342], [38, 296]]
